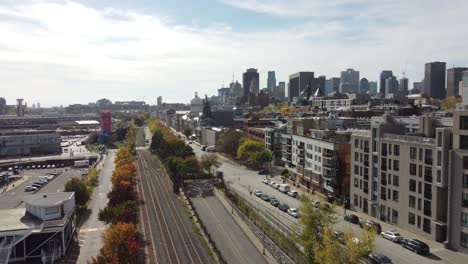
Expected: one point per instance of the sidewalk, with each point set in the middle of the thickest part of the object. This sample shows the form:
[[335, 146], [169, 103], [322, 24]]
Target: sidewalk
[[14, 184]]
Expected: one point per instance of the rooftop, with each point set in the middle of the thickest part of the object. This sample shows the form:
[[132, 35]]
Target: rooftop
[[17, 219], [48, 199]]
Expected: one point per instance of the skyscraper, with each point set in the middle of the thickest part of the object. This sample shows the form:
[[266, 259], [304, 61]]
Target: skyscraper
[[282, 90], [332, 85], [247, 77], [454, 76], [319, 83], [434, 79], [363, 86], [391, 87], [373, 88], [2, 106], [349, 81], [298, 82], [384, 75], [271, 80], [465, 87], [254, 86], [236, 89], [160, 102], [403, 86]]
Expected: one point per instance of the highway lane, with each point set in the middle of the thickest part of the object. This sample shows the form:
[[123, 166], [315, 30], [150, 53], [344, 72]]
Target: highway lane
[[234, 244], [169, 234]]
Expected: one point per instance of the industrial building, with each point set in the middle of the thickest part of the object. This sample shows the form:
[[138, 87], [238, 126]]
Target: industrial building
[[29, 142]]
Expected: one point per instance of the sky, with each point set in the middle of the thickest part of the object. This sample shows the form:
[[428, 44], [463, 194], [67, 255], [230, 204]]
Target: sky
[[77, 51]]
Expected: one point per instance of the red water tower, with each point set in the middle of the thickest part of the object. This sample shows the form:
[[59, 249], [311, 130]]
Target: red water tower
[[106, 122]]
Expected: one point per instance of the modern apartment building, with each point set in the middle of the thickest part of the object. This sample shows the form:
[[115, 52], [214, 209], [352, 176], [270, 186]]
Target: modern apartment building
[[402, 178]]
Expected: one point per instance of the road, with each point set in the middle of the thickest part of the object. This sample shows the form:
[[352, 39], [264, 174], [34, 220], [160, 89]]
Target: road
[[90, 235], [243, 180], [169, 234], [14, 197], [233, 243]]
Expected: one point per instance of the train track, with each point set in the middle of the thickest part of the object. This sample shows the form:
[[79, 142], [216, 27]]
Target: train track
[[167, 234]]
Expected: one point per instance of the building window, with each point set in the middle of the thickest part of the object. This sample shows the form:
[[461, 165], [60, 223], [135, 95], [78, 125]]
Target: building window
[[384, 149], [356, 169], [439, 139], [355, 183], [464, 219], [463, 142], [411, 218], [383, 179], [395, 196], [383, 193], [428, 156], [427, 208], [465, 200], [389, 149], [427, 225], [396, 165], [396, 180], [464, 240], [419, 221], [463, 122], [465, 180], [420, 187], [420, 171], [412, 169], [396, 150], [366, 187], [439, 158], [412, 153], [412, 202], [356, 143], [420, 154], [439, 176], [366, 146], [383, 164], [465, 162], [428, 174], [355, 200], [412, 185], [356, 156], [394, 216]]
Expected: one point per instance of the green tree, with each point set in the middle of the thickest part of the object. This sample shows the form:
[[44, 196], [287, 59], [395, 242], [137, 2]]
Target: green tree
[[358, 248], [124, 212], [248, 147], [77, 186], [258, 159], [229, 141], [208, 161], [329, 250]]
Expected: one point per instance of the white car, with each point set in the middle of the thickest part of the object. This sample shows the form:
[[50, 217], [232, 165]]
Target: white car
[[294, 212], [294, 194], [266, 181], [258, 193], [272, 184], [392, 236], [30, 188]]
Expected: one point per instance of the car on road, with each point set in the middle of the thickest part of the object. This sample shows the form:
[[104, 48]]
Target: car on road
[[340, 236], [272, 184], [392, 236], [37, 185], [30, 188], [379, 259], [294, 212], [274, 201], [266, 181], [294, 194], [371, 225], [264, 172], [265, 197], [352, 218], [415, 245], [284, 188], [283, 207], [258, 193]]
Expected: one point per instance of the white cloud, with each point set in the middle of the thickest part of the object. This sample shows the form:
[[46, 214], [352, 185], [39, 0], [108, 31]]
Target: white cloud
[[71, 53]]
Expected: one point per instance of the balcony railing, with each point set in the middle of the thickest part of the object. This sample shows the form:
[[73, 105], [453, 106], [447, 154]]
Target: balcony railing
[[423, 140]]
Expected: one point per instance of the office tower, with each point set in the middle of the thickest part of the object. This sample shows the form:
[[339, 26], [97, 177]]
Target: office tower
[[349, 81], [384, 75], [363, 86], [332, 85], [298, 82], [454, 76], [282, 90], [2, 106], [160, 101], [19, 107], [391, 87], [403, 86], [254, 86], [319, 83], [465, 87], [417, 87], [271, 80], [373, 88], [434, 80], [236, 89], [224, 94], [247, 77]]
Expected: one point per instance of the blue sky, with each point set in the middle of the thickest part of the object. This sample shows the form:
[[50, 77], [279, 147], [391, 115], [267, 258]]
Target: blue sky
[[125, 50]]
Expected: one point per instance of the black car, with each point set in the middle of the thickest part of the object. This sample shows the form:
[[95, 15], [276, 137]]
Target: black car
[[352, 218], [379, 259], [415, 245], [283, 207], [265, 197], [371, 225], [274, 202], [264, 172]]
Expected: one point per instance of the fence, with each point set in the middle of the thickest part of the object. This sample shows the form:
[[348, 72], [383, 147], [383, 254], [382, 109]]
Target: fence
[[217, 251]]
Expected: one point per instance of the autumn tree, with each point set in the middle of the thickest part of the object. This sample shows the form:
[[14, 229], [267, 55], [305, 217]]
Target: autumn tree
[[121, 192], [77, 186], [120, 245], [329, 250], [450, 103], [229, 141], [358, 248], [209, 161], [124, 212]]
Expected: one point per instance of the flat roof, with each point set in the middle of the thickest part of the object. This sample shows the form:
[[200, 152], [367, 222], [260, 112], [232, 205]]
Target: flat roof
[[87, 122], [17, 219], [48, 199]]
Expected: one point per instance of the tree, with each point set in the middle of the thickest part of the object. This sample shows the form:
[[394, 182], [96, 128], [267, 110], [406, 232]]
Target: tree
[[258, 159], [209, 161], [192, 167], [329, 251], [120, 245], [229, 141], [124, 212], [356, 249], [248, 147], [187, 132], [120, 193], [77, 186], [450, 103]]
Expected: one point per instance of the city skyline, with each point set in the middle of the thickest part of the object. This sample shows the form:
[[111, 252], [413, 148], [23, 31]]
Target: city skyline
[[117, 52]]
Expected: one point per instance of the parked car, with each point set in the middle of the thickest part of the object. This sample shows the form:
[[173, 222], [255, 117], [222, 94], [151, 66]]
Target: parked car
[[415, 245], [37, 185], [277, 186], [258, 193], [340, 236], [264, 172], [30, 188], [266, 181], [272, 184], [392, 236], [316, 203], [379, 259], [284, 188], [371, 225], [294, 194], [274, 201], [283, 207], [294, 212], [352, 218], [265, 197]]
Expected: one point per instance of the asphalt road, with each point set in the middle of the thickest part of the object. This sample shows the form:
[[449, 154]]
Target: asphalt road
[[234, 244], [169, 234], [14, 197], [243, 180]]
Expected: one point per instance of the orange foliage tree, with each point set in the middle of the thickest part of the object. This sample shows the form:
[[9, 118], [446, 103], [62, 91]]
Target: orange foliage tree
[[120, 245]]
